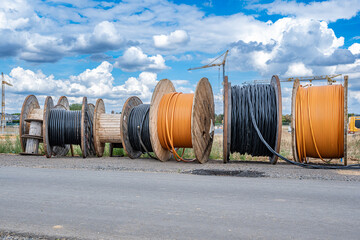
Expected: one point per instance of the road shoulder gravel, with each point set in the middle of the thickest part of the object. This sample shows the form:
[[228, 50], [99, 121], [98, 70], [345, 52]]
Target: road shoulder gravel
[[213, 167]]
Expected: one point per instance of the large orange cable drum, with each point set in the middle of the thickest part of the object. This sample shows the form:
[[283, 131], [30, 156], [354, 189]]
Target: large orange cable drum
[[182, 120], [174, 120], [319, 122]]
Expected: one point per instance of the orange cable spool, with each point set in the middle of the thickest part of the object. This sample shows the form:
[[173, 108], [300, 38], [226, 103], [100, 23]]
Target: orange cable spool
[[174, 122], [319, 124]]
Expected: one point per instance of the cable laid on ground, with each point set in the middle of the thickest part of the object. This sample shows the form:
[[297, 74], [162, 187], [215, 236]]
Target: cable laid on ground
[[264, 106], [174, 123]]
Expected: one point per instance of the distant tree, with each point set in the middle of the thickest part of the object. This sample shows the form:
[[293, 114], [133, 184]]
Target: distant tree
[[286, 118], [219, 118], [76, 106]]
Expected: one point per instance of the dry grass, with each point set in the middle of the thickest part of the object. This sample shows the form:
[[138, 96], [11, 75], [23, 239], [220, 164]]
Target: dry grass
[[10, 143]]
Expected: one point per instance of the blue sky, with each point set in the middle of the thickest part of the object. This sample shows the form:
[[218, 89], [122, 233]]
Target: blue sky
[[117, 49]]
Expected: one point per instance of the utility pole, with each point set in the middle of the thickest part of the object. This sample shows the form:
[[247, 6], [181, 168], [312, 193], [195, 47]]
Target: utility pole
[[3, 119]]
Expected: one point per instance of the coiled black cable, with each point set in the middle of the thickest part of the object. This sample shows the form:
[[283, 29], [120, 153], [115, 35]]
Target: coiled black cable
[[263, 102], [138, 129], [64, 127]]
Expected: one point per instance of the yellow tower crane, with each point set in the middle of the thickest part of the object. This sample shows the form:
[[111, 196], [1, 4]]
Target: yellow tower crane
[[3, 119]]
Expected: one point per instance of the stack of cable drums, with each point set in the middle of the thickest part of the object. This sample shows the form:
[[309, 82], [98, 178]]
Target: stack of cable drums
[[172, 120], [32, 123], [252, 113], [319, 122], [63, 127]]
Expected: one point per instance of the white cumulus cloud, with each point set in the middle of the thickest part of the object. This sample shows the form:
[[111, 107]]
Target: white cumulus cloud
[[355, 48], [135, 60], [93, 83], [298, 69], [174, 40], [331, 10]]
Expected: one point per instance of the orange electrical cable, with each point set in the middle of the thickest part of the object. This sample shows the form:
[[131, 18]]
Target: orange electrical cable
[[319, 122], [174, 122]]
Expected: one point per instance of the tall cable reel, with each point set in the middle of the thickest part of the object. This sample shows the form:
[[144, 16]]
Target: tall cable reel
[[31, 126], [248, 106], [106, 128], [319, 121], [62, 127], [195, 117]]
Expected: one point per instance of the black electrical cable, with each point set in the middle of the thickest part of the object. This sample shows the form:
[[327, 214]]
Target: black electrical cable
[[264, 105], [138, 129], [64, 127], [261, 137]]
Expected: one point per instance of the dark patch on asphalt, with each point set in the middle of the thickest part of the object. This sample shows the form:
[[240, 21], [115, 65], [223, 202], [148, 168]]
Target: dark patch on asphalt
[[233, 173], [7, 235]]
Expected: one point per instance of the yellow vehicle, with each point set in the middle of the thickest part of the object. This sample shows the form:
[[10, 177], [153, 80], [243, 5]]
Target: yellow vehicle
[[354, 124]]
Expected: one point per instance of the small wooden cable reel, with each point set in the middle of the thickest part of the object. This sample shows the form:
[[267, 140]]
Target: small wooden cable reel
[[106, 128], [31, 126], [275, 83], [295, 131], [86, 142]]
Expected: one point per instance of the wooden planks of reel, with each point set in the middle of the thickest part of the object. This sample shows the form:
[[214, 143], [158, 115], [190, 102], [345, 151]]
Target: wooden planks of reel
[[293, 118], [86, 144], [275, 82], [31, 126], [106, 128]]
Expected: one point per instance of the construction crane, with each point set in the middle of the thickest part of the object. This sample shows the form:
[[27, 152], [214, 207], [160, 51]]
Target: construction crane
[[3, 119], [212, 64], [329, 78]]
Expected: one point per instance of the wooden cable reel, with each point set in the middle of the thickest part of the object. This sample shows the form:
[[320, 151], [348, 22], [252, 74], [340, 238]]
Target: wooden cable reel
[[106, 128], [317, 134], [86, 143], [202, 119], [275, 82], [130, 103], [31, 126]]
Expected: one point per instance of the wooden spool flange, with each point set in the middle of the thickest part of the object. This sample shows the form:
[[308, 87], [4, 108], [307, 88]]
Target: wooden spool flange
[[130, 103], [163, 87], [227, 120], [30, 114], [29, 107], [106, 128], [293, 130], [275, 82], [203, 120], [293, 119]]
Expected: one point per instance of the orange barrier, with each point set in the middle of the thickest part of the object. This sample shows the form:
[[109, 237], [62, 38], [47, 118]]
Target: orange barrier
[[174, 122], [319, 114]]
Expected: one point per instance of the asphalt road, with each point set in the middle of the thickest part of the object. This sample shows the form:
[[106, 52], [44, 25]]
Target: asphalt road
[[94, 204]]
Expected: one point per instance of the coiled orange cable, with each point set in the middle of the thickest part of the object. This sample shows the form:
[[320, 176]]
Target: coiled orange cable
[[174, 122], [319, 122]]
